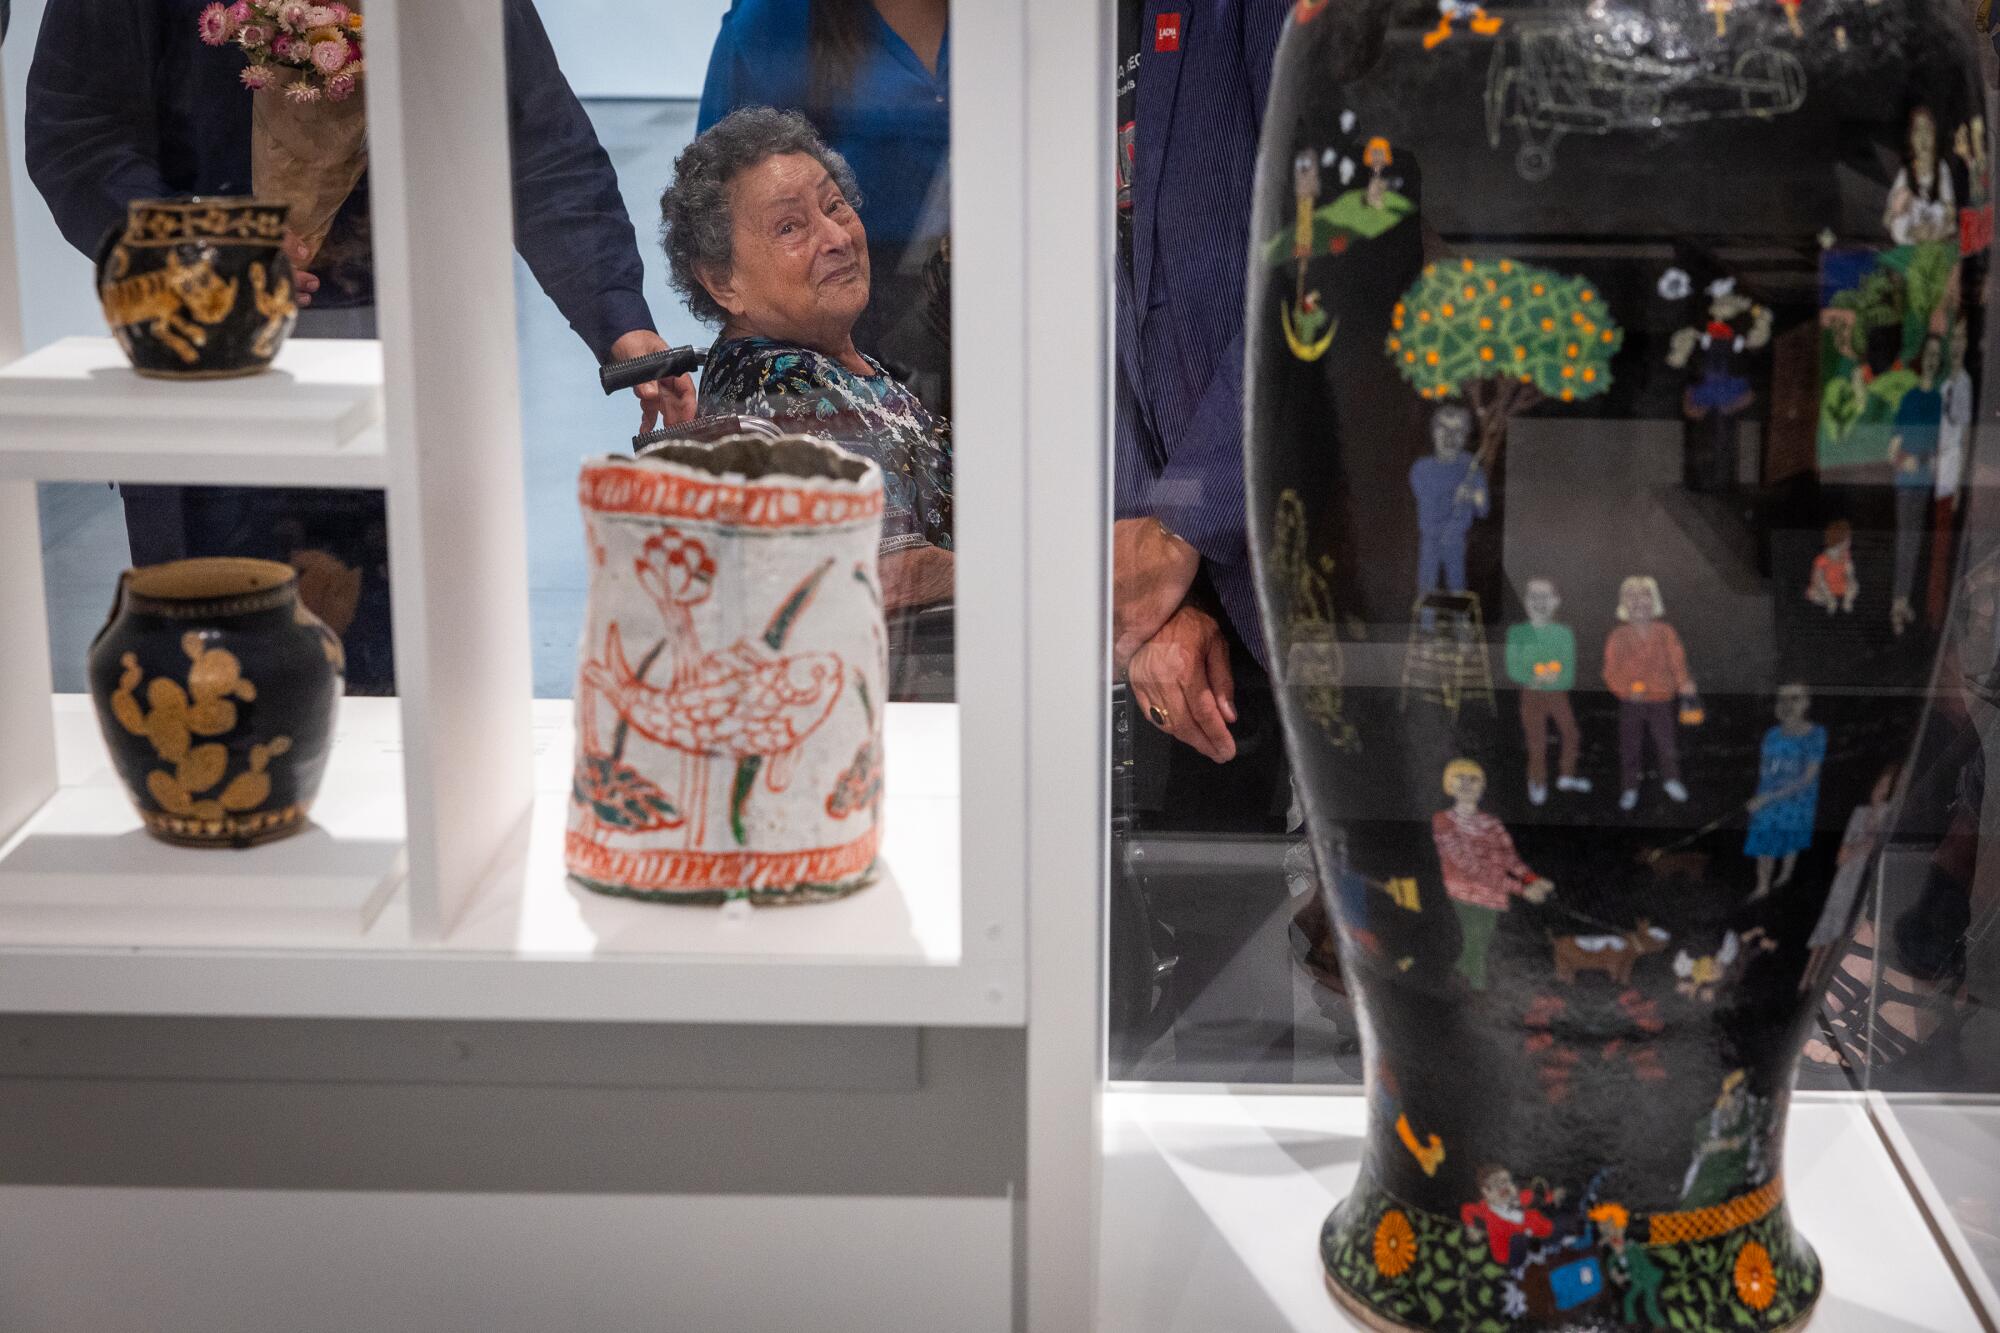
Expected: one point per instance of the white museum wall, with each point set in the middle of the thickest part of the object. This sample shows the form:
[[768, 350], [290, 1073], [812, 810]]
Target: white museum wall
[[633, 48], [58, 298]]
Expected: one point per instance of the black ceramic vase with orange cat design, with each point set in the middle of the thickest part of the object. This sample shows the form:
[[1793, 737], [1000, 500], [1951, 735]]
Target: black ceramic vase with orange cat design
[[198, 288], [1611, 386]]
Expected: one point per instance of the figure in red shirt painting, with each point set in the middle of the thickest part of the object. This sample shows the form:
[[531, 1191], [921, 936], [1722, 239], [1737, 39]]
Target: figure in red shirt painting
[[1508, 1215], [1482, 871]]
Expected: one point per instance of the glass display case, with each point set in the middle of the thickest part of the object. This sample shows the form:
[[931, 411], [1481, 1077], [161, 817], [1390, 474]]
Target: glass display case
[[1316, 961]]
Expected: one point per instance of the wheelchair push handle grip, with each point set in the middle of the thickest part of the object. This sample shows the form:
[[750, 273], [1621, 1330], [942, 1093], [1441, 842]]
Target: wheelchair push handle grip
[[654, 366]]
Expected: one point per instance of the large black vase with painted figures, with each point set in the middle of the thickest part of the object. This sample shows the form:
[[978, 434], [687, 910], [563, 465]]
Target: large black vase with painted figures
[[1611, 381], [198, 288], [216, 689]]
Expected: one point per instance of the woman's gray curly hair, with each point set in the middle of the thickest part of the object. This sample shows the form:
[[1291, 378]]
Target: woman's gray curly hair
[[696, 226]]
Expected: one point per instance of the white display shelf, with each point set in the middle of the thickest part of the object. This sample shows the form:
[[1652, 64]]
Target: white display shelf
[[96, 918], [76, 411], [1213, 1204]]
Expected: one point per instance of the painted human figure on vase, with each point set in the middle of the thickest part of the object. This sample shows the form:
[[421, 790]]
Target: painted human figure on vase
[[1720, 391], [1646, 668], [1506, 1215], [1787, 797], [1954, 424], [1541, 659], [1834, 583], [1450, 489], [1913, 454], [1483, 873], [1728, 1157], [1867, 826], [1975, 216], [1633, 1271], [1922, 206]]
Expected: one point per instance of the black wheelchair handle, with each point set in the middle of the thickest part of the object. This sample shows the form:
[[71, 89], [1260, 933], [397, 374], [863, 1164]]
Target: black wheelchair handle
[[643, 369]]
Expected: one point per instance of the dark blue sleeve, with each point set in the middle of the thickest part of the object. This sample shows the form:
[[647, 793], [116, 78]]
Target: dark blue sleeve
[[570, 222], [1263, 27], [1199, 494], [91, 133]]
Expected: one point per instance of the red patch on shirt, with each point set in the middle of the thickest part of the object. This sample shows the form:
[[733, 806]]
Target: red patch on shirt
[[1167, 32]]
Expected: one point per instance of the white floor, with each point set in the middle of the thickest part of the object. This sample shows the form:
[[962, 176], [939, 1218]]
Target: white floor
[[1213, 1202]]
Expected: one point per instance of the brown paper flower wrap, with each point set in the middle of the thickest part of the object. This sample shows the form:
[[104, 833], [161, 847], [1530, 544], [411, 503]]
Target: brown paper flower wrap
[[309, 154]]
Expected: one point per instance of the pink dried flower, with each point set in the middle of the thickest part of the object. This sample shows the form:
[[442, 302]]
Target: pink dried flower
[[293, 15], [340, 13], [215, 25], [301, 91], [239, 13], [257, 78], [340, 87], [319, 16], [329, 57], [253, 37]]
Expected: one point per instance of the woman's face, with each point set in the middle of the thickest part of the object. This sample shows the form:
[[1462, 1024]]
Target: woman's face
[[799, 264], [1638, 604], [1793, 702]]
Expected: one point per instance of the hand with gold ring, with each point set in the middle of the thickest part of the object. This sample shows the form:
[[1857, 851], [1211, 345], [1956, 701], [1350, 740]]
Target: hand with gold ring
[[1181, 679]]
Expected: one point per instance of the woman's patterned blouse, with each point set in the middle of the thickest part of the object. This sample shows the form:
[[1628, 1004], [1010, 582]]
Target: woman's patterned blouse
[[873, 416]]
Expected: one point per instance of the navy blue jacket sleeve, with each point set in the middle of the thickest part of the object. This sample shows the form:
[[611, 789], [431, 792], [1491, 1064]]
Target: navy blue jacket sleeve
[[1199, 492], [91, 133], [570, 222]]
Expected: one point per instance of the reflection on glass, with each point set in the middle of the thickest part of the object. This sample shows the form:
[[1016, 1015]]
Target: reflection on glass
[[857, 344], [1663, 571]]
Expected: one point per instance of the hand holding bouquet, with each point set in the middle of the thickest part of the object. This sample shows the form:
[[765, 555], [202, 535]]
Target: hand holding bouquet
[[308, 143]]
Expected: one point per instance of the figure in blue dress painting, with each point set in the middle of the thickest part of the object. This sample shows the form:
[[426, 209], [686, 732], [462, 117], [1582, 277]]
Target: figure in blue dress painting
[[1787, 799]]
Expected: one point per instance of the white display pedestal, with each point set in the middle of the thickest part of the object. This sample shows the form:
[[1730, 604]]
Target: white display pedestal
[[1213, 1204], [84, 873], [95, 917], [76, 411]]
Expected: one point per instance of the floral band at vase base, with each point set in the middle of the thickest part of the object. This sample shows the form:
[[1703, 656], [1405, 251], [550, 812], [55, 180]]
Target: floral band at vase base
[[1738, 1265]]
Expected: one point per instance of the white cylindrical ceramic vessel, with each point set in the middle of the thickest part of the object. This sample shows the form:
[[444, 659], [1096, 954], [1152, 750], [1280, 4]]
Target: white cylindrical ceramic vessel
[[732, 675]]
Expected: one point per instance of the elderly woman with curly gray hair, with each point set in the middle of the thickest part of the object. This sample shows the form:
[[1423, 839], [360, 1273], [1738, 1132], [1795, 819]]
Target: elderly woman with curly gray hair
[[762, 238]]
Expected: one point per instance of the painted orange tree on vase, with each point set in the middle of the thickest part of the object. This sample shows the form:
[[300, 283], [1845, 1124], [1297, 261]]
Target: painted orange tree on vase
[[1504, 336]]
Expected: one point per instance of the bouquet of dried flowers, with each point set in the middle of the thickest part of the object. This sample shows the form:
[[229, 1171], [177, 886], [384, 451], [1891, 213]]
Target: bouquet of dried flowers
[[308, 144]]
